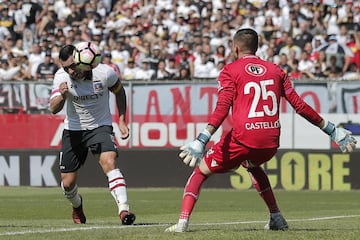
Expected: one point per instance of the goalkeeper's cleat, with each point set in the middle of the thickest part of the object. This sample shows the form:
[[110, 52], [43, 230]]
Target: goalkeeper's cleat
[[127, 218], [181, 226], [78, 215], [276, 222]]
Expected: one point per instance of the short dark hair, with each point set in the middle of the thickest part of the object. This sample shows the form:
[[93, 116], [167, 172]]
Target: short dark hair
[[247, 40], [66, 51]]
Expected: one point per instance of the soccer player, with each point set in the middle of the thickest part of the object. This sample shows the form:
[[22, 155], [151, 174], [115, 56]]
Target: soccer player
[[252, 88], [88, 126]]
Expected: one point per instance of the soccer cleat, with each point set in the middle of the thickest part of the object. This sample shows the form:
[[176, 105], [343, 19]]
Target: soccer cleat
[[181, 226], [276, 222], [78, 214], [127, 218]]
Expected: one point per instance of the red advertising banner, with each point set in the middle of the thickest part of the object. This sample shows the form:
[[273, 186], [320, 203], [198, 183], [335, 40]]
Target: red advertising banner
[[167, 115]]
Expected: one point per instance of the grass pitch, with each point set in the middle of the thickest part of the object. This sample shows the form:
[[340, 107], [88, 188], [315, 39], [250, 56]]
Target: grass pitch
[[43, 213]]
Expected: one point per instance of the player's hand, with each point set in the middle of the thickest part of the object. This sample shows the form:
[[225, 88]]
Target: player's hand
[[63, 88], [124, 130], [192, 153], [341, 136]]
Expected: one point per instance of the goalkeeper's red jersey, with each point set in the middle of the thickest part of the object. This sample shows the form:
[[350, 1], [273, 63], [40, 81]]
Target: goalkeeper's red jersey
[[252, 88]]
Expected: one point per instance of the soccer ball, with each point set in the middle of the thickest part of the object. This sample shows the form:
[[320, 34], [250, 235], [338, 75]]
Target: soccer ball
[[86, 56]]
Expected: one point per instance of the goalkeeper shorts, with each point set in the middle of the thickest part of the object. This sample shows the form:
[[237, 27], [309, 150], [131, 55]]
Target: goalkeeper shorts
[[228, 154]]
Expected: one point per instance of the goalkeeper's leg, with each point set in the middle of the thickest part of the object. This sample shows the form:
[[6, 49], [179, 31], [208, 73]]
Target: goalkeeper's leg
[[262, 184], [191, 195]]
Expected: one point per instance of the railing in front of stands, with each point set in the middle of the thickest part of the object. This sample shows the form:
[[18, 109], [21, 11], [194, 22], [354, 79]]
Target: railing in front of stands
[[327, 96]]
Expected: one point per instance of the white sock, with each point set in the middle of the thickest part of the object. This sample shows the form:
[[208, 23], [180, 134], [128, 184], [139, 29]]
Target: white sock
[[72, 195], [117, 187]]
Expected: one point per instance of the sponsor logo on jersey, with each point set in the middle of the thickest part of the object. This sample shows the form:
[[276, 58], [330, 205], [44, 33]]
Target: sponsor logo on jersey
[[255, 69], [87, 97]]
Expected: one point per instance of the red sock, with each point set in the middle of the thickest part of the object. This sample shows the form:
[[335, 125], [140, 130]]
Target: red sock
[[262, 185], [191, 193]]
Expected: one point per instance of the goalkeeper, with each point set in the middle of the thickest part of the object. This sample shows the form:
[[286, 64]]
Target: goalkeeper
[[252, 88]]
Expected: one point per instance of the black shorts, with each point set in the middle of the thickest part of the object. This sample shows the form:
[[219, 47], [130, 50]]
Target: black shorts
[[76, 144]]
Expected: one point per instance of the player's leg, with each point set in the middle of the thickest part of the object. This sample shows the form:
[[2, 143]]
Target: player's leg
[[70, 190], [261, 183], [191, 195], [71, 158], [117, 186], [195, 181]]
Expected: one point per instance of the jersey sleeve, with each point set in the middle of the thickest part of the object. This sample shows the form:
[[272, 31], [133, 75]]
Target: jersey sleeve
[[113, 81], [226, 89], [300, 106]]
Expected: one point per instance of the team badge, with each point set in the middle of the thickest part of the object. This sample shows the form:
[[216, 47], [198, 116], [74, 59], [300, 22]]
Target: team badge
[[255, 69], [98, 86]]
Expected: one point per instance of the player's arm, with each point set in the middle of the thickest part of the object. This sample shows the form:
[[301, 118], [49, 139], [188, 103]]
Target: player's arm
[[341, 136], [120, 98], [194, 151], [58, 97]]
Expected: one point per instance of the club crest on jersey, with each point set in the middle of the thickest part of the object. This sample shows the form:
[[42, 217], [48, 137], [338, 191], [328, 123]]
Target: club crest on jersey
[[255, 69], [98, 86]]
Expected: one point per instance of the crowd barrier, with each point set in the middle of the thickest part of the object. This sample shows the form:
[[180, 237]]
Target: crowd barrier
[[167, 114], [163, 116]]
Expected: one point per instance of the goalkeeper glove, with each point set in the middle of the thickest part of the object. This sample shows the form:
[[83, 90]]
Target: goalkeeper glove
[[193, 152], [341, 136]]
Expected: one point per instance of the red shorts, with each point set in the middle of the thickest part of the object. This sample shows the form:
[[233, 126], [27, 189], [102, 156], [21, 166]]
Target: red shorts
[[229, 154]]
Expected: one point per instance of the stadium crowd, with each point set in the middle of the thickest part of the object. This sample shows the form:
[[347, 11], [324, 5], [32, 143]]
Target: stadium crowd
[[180, 40]]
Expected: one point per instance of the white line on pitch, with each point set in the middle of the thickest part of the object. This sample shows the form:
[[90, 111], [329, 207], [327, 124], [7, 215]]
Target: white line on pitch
[[85, 228]]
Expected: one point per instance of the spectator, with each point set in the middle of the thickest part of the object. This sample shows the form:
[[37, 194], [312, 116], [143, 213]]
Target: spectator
[[317, 25], [352, 73], [333, 70], [144, 72], [220, 54], [36, 57], [305, 65], [184, 74], [8, 70], [283, 64], [120, 55], [161, 72], [322, 60], [215, 71], [290, 46], [295, 73], [171, 68], [107, 60], [331, 20], [130, 70], [269, 29], [203, 68], [47, 69], [155, 57], [185, 60], [304, 36], [317, 74]]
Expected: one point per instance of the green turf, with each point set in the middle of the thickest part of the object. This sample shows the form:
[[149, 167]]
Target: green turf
[[43, 213]]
